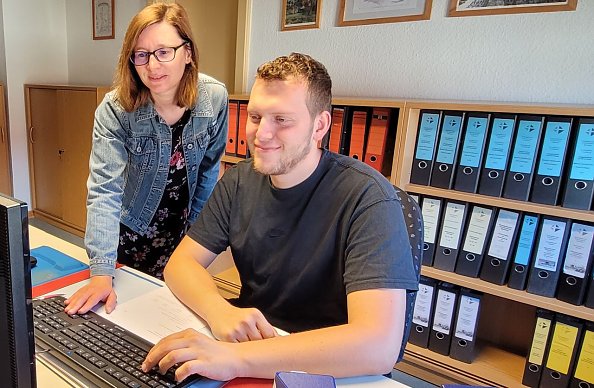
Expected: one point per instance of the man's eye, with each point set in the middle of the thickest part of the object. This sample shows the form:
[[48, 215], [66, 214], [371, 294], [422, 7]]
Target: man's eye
[[281, 120], [254, 118]]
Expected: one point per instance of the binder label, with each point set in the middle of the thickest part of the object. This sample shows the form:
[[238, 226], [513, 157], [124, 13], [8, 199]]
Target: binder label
[[549, 247], [582, 167], [503, 233], [564, 338], [430, 213], [427, 135], [422, 309], [467, 316], [553, 148], [472, 149], [444, 311], [450, 131], [501, 134], [525, 146], [526, 240], [477, 230], [578, 250], [539, 341], [585, 366], [452, 225]]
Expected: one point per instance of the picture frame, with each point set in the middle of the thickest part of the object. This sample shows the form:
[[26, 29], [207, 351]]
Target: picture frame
[[300, 14], [473, 8], [103, 19], [362, 12]]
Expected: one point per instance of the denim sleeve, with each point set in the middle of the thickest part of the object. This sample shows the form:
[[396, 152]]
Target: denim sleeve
[[105, 188], [208, 171]]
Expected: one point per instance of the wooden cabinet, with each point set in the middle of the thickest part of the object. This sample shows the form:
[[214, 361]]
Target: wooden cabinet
[[60, 125], [5, 171], [507, 315]]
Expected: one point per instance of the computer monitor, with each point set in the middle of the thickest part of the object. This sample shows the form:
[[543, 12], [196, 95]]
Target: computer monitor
[[17, 352]]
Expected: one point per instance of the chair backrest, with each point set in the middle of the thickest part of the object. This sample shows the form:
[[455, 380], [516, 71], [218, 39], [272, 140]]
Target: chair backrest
[[414, 224]]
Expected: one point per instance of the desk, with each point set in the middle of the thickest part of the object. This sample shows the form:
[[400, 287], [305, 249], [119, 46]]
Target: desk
[[129, 284]]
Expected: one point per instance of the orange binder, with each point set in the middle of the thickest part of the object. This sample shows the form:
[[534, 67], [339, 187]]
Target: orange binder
[[358, 127], [241, 135], [336, 129], [376, 139], [231, 148]]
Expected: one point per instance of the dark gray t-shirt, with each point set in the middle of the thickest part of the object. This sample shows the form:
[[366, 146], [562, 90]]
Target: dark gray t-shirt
[[299, 251]]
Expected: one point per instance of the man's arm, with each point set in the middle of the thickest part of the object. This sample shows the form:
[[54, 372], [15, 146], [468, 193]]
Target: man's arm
[[367, 345]]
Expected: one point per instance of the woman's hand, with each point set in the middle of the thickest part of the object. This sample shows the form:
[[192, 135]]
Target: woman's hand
[[99, 289]]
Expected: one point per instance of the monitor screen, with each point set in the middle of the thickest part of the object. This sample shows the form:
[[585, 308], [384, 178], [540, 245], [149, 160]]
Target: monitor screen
[[17, 349]]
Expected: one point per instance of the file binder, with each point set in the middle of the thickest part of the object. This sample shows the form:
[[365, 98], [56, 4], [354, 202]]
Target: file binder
[[577, 264], [423, 312], [471, 155], [452, 226], [339, 118], [590, 294], [470, 256], [583, 376], [231, 147], [431, 211], [497, 155], [524, 248], [580, 185], [416, 197], [447, 150], [242, 148], [496, 266], [427, 134], [523, 158], [550, 246], [539, 348], [377, 137], [443, 317], [562, 352], [465, 331], [357, 139], [551, 161]]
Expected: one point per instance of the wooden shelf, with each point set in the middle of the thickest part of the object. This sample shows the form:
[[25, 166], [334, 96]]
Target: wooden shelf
[[232, 159]]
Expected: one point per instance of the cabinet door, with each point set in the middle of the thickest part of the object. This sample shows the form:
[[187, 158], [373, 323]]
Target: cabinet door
[[5, 175], [77, 110], [45, 159]]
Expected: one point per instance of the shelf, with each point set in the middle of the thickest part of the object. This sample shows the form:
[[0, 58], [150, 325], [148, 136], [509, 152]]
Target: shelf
[[557, 211], [510, 293], [492, 366], [232, 159]]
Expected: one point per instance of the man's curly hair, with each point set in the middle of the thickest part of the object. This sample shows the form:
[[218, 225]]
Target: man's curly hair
[[304, 68]]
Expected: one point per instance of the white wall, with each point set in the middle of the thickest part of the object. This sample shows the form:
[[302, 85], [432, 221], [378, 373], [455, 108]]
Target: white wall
[[544, 57], [35, 52], [92, 62]]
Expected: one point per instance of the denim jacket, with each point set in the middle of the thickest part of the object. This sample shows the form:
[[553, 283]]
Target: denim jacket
[[129, 165]]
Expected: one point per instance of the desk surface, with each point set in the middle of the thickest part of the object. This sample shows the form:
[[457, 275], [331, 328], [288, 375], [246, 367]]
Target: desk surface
[[135, 284]]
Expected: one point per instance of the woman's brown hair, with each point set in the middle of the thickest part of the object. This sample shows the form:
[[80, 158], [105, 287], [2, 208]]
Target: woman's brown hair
[[130, 92]]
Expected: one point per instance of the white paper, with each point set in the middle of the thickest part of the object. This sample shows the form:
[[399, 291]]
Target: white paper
[[430, 211], [444, 310], [477, 230], [578, 250], [423, 301], [549, 245], [467, 316], [452, 225], [503, 232]]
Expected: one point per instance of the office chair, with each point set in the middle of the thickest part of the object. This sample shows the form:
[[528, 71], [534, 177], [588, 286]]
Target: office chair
[[414, 223]]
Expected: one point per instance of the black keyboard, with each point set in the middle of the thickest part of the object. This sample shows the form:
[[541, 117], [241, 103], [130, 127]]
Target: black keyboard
[[101, 351]]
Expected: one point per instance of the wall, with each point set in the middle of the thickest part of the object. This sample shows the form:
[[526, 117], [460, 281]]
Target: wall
[[544, 57], [35, 51]]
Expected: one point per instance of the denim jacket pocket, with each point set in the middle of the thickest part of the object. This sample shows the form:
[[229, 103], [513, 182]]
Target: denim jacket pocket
[[142, 154]]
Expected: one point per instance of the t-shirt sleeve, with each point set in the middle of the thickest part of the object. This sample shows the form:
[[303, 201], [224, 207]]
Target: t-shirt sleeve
[[378, 253], [211, 229]]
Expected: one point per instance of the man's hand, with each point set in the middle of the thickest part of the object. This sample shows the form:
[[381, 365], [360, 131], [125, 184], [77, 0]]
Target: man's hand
[[240, 325], [196, 354], [99, 289]]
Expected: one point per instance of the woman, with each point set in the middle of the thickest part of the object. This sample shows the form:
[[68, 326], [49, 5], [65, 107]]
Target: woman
[[157, 141]]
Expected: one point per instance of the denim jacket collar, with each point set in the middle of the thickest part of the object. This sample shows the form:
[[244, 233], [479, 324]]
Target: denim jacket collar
[[202, 109]]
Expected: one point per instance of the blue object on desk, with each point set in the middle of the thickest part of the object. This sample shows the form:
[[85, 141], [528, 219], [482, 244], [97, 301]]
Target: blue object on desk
[[53, 264], [303, 380]]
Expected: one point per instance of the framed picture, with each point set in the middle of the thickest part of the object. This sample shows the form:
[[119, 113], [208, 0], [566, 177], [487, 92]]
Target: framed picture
[[494, 7], [103, 19], [301, 14], [357, 12]]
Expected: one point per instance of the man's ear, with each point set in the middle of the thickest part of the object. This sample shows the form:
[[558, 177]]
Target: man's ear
[[321, 125]]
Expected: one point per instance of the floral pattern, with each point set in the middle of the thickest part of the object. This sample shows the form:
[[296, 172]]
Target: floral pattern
[[150, 252]]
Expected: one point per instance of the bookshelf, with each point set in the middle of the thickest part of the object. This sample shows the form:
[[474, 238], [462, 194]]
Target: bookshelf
[[507, 317]]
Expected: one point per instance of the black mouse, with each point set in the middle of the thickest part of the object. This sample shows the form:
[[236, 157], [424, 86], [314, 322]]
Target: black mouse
[[33, 261]]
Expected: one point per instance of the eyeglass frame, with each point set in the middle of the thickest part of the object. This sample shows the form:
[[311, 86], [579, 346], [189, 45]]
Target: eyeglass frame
[[175, 48]]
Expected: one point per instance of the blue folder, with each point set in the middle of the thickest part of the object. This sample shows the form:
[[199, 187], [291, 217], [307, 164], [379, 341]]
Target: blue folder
[[53, 264]]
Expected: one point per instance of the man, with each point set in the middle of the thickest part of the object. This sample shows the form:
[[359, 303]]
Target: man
[[319, 241]]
